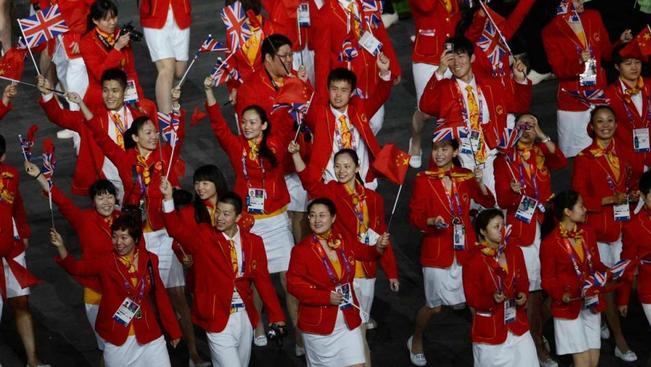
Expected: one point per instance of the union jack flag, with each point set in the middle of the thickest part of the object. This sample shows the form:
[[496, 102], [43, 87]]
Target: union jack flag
[[617, 270], [372, 12], [593, 97], [49, 162], [443, 134], [359, 93], [237, 26], [509, 138], [296, 110], [223, 72], [212, 45], [506, 235], [348, 52], [169, 125], [490, 42], [43, 26], [26, 144], [566, 9]]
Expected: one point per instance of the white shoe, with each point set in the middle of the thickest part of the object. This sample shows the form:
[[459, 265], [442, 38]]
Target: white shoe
[[412, 38], [299, 351], [371, 324], [628, 356], [536, 77], [416, 160], [417, 359], [388, 19], [260, 341], [605, 332], [549, 362], [65, 134]]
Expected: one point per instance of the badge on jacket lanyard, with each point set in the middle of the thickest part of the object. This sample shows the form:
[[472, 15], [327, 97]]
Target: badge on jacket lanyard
[[126, 312], [526, 208], [589, 75], [344, 290], [303, 14], [641, 140], [131, 92], [255, 200], [509, 311], [370, 43], [458, 235]]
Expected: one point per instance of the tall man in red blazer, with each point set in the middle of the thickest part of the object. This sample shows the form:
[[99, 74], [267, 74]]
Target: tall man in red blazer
[[474, 106], [166, 26], [343, 122], [115, 116]]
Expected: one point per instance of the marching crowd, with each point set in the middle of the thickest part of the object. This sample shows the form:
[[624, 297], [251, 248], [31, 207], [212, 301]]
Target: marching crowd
[[308, 80]]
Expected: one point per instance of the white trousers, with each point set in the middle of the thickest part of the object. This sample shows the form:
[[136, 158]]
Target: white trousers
[[516, 351], [610, 252], [232, 346], [132, 354], [377, 121]]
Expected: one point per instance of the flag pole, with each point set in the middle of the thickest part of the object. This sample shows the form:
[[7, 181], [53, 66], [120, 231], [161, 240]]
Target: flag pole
[[298, 129], [499, 33], [30, 50], [169, 165], [20, 140], [187, 71], [395, 204], [49, 198], [31, 85]]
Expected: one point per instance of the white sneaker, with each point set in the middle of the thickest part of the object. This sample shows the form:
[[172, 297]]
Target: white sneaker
[[536, 77], [628, 356], [416, 160], [388, 19], [65, 134], [549, 362], [605, 332], [260, 341], [417, 359], [299, 351], [371, 324]]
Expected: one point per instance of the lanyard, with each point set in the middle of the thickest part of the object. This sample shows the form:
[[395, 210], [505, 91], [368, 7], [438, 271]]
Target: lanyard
[[328, 265], [454, 193], [127, 283], [575, 262], [629, 114], [245, 170]]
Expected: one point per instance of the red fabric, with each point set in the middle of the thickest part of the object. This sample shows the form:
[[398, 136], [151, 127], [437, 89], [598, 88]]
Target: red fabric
[[636, 237], [308, 281], [214, 276], [98, 59], [330, 34], [90, 159], [559, 276], [347, 218], [10, 179], [111, 271], [272, 179], [13, 63], [509, 200], [431, 15], [639, 47], [392, 163], [590, 179], [444, 100], [429, 200], [283, 20], [75, 13], [479, 286], [4, 110], [563, 51], [153, 13], [240, 62]]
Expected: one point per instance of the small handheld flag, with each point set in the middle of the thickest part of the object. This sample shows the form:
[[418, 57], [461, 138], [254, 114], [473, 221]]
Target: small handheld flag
[[26, 144]]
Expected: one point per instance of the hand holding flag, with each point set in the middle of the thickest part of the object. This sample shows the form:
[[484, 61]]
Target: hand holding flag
[[27, 143]]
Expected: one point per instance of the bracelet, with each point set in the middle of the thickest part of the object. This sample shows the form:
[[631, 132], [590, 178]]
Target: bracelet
[[39, 175], [546, 139]]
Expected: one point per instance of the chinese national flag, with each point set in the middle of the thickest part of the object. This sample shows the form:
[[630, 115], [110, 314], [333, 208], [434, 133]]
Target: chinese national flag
[[294, 90], [392, 163], [639, 47], [13, 63]]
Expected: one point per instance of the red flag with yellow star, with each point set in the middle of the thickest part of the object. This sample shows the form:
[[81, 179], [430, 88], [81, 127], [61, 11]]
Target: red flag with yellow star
[[13, 63], [639, 47], [392, 163]]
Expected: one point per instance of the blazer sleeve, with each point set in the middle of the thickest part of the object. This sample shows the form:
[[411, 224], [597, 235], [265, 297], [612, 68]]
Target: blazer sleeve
[[98, 62], [110, 149], [313, 184], [363, 252], [377, 98], [551, 283], [418, 212], [478, 296], [565, 63], [515, 19], [4, 110], [228, 141], [431, 98], [485, 200], [179, 229], [299, 285], [581, 183], [555, 161], [20, 215], [262, 281], [163, 304], [506, 197], [81, 267], [70, 211], [66, 119]]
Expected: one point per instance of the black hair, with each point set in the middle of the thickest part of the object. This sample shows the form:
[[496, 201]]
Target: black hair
[[271, 44], [454, 143], [212, 173], [100, 10], [519, 116], [323, 201], [233, 199], [461, 45], [181, 198], [116, 74], [645, 183], [598, 108], [484, 217], [101, 187], [467, 18], [253, 5], [264, 151], [353, 155], [3, 145], [127, 222], [342, 74], [555, 210], [136, 126]]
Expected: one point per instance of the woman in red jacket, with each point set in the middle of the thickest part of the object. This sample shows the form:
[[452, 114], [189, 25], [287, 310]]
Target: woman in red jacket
[[131, 289], [497, 289], [439, 207], [636, 237], [603, 175], [105, 47], [569, 258], [321, 272]]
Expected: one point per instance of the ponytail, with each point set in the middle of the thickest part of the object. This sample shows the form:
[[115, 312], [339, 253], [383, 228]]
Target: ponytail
[[555, 210]]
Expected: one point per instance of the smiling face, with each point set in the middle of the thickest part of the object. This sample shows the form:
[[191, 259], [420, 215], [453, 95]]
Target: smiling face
[[442, 154], [604, 124], [493, 230], [104, 204], [461, 66], [123, 243], [107, 24], [252, 125], [147, 137], [339, 93], [526, 124], [112, 94], [629, 69], [345, 168], [320, 219], [205, 189], [227, 217]]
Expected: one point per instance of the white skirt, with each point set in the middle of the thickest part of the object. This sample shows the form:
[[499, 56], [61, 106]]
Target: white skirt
[[169, 267], [572, 131], [343, 347], [578, 335], [132, 354], [12, 286], [444, 286], [516, 351], [531, 255], [610, 252], [276, 232]]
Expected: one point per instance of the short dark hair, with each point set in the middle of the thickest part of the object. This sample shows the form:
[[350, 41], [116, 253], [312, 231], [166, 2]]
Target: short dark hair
[[101, 187], [100, 10], [271, 44], [323, 201], [127, 222], [116, 74], [233, 199], [3, 145], [212, 173], [484, 217], [461, 45], [342, 74], [136, 125], [645, 183], [181, 198]]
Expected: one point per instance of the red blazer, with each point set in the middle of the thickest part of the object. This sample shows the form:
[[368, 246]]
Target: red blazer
[[347, 219], [433, 26], [308, 281], [11, 206], [322, 122], [111, 273], [429, 200], [270, 178], [563, 51], [240, 61], [4, 110], [590, 179], [153, 13], [91, 158], [283, 20], [559, 276], [93, 232], [444, 100], [98, 59], [628, 118], [480, 284], [75, 13], [636, 237], [127, 161], [505, 167], [214, 276], [331, 34]]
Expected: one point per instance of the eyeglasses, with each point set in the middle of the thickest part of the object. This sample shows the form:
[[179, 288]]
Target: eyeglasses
[[288, 56]]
